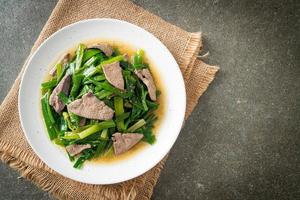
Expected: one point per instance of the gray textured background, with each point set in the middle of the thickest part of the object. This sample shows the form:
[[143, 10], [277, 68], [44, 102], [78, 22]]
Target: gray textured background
[[242, 141]]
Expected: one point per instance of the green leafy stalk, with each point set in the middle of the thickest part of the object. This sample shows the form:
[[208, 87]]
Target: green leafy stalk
[[109, 150], [118, 102], [96, 128], [103, 94], [95, 79], [100, 148], [119, 110], [90, 53], [71, 158], [96, 83], [86, 155], [71, 68], [49, 84], [71, 136], [64, 70], [152, 105], [79, 56], [104, 134], [87, 64], [63, 97], [63, 126], [79, 162], [90, 61], [122, 116], [144, 96], [48, 118], [89, 72], [137, 59], [84, 90], [76, 78], [99, 78], [98, 88], [136, 126], [74, 134], [59, 69], [113, 59], [75, 119], [49, 109], [69, 123], [107, 86]]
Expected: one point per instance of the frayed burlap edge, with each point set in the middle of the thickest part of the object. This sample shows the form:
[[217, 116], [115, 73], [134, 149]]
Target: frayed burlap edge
[[190, 52], [207, 76]]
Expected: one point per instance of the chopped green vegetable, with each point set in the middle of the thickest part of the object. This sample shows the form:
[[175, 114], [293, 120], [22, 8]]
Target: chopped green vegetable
[[71, 158], [79, 56], [75, 119], [59, 142], [144, 96], [88, 63], [49, 84], [86, 155], [63, 126], [103, 94], [90, 53], [96, 128], [71, 136], [69, 123], [104, 134], [133, 110], [99, 78], [100, 149], [113, 59], [84, 90], [136, 126], [48, 118], [138, 59], [63, 97], [49, 110], [122, 117], [76, 78], [59, 69], [108, 87], [119, 110], [90, 71]]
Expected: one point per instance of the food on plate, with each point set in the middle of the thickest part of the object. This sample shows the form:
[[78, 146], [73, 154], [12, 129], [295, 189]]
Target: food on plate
[[100, 101]]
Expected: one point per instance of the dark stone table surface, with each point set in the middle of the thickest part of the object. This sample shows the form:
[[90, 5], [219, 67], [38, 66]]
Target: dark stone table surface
[[243, 139]]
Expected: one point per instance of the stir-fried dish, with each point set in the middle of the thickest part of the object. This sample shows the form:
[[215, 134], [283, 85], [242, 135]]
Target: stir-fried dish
[[99, 101]]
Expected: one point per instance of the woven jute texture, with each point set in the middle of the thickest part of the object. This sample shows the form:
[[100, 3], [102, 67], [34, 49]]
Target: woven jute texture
[[185, 46]]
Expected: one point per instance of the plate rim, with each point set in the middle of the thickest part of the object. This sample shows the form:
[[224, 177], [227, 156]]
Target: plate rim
[[21, 86]]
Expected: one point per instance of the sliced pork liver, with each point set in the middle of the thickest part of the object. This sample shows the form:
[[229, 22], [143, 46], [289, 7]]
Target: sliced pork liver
[[89, 106], [146, 77], [75, 149], [106, 49], [63, 86], [113, 74], [124, 142], [64, 61]]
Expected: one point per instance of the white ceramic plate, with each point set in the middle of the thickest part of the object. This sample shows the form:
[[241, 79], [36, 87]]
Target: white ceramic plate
[[70, 36]]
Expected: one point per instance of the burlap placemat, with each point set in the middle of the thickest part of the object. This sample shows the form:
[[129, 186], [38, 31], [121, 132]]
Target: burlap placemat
[[185, 46]]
